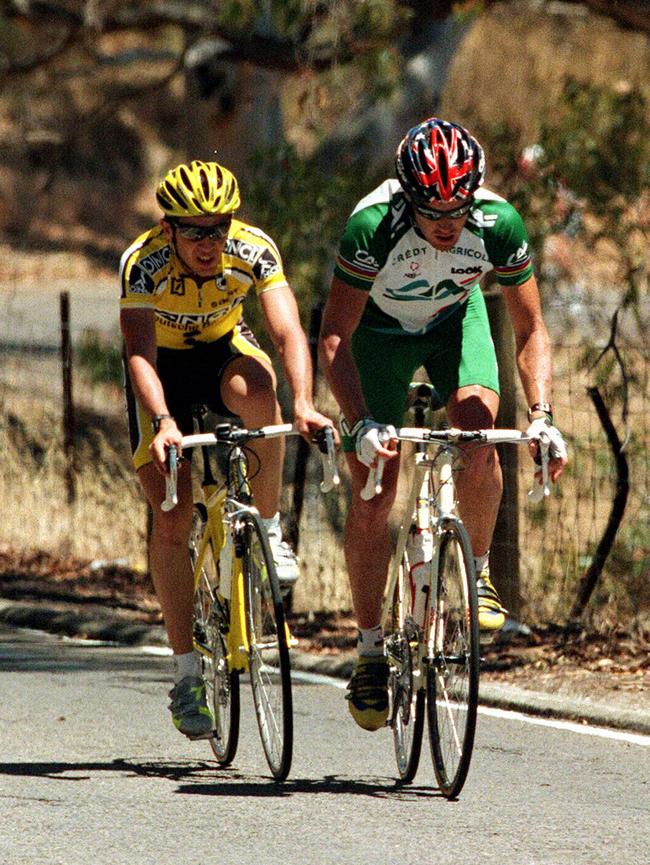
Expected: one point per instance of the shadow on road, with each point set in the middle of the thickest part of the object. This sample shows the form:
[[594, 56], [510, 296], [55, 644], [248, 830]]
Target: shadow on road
[[199, 779], [382, 788]]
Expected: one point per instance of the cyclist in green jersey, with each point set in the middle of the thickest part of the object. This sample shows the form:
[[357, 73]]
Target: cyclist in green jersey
[[406, 294], [183, 285]]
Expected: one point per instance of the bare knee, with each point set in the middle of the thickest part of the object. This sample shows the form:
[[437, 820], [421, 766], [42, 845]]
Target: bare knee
[[473, 407], [249, 390]]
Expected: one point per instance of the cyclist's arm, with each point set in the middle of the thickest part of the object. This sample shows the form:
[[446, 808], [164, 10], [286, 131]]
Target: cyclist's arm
[[341, 317], [534, 360], [342, 314], [139, 333], [283, 323], [533, 349]]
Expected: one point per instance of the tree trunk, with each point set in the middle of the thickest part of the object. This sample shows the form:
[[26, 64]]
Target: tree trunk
[[504, 555]]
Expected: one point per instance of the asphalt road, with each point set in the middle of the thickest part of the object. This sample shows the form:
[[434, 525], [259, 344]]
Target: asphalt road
[[29, 315], [92, 771]]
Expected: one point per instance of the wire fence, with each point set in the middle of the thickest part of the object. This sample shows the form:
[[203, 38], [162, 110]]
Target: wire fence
[[557, 540]]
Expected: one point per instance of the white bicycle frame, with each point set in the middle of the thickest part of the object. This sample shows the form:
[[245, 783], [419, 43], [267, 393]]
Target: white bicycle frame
[[418, 505]]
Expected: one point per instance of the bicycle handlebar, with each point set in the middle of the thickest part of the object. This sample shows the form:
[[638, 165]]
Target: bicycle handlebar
[[324, 438], [455, 437], [171, 493], [230, 434]]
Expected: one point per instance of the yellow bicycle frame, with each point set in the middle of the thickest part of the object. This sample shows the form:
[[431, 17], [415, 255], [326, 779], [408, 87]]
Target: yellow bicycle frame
[[214, 536]]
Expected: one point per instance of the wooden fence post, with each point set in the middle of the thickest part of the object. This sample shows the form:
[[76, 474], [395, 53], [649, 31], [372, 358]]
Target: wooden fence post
[[303, 449], [504, 554], [68, 405]]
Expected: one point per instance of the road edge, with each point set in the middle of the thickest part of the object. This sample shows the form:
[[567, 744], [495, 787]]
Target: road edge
[[95, 623]]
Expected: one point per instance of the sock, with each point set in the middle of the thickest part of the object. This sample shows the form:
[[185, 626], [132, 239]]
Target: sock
[[272, 525], [370, 641], [481, 561], [188, 664]]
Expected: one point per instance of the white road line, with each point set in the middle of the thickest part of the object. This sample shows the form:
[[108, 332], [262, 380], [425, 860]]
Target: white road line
[[569, 726]]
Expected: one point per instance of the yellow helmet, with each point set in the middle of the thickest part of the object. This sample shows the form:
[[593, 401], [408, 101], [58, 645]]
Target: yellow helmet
[[198, 189]]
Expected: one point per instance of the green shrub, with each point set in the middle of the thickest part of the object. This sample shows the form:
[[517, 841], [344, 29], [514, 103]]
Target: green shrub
[[99, 358]]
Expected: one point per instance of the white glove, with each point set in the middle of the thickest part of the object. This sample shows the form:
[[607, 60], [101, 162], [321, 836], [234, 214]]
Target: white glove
[[557, 446], [369, 437]]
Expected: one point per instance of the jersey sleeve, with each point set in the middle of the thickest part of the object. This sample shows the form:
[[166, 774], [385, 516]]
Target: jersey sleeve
[[139, 267], [361, 253], [508, 246], [252, 256], [268, 270]]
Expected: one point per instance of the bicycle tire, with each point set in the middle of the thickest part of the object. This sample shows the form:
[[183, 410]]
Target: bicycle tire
[[269, 664], [406, 690], [453, 663], [210, 629]]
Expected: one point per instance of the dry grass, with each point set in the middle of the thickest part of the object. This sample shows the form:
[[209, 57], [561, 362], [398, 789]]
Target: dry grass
[[107, 520]]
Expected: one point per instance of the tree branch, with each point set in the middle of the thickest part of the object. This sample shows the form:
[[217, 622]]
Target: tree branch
[[613, 347], [589, 580]]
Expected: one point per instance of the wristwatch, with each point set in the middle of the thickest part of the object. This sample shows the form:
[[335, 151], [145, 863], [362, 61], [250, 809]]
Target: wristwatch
[[157, 419], [539, 408]]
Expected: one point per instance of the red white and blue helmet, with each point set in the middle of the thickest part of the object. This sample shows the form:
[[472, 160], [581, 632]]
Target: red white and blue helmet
[[439, 161]]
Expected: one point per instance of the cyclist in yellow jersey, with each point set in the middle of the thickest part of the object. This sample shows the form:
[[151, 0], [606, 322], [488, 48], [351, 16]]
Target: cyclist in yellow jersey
[[183, 284]]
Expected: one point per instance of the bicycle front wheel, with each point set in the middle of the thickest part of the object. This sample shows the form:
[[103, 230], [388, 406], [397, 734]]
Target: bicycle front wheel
[[269, 667], [454, 658], [211, 623], [405, 683]]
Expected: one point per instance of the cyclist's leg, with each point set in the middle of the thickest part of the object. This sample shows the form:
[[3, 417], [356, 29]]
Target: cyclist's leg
[[367, 541], [248, 389], [171, 572], [464, 369], [479, 484], [169, 560], [386, 365], [462, 365], [170, 567], [168, 554]]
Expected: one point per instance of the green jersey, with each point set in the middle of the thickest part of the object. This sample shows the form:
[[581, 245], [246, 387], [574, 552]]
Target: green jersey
[[414, 287]]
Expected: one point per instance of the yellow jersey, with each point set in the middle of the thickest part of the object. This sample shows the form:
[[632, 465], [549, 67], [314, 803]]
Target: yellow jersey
[[189, 308]]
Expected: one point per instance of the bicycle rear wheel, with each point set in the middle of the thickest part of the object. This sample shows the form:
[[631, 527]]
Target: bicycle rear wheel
[[454, 658], [405, 685], [269, 665], [211, 623]]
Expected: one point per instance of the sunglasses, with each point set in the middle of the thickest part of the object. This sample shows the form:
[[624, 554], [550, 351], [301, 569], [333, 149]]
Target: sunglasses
[[201, 232], [428, 213]]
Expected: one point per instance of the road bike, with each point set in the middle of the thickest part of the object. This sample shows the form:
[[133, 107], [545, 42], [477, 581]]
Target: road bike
[[239, 621], [430, 609]]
